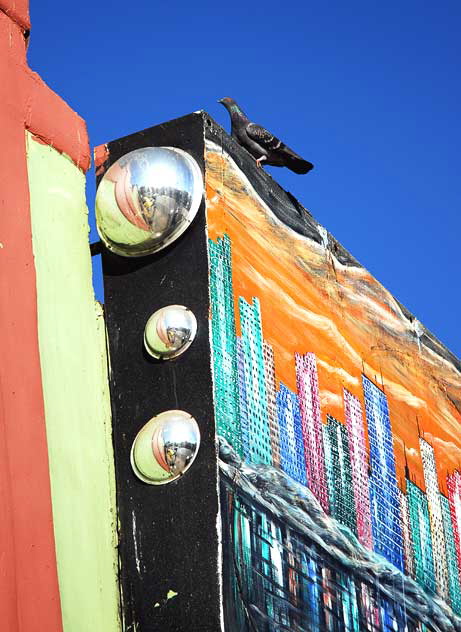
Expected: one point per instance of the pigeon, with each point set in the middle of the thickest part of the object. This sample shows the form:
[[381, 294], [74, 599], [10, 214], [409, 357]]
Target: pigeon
[[261, 144]]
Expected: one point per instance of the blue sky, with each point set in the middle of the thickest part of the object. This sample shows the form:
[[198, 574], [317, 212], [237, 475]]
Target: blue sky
[[368, 92]]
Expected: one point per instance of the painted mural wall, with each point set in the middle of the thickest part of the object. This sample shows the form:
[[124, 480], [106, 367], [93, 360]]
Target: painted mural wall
[[339, 418]]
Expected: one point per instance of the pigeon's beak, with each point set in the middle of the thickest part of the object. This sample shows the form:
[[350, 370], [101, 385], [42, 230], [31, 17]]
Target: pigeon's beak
[[220, 100]]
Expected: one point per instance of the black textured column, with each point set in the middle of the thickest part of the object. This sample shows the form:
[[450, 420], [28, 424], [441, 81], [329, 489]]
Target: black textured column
[[168, 533]]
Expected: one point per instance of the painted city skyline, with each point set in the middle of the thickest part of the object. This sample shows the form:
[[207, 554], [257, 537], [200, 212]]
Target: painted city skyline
[[314, 296], [347, 463], [344, 411]]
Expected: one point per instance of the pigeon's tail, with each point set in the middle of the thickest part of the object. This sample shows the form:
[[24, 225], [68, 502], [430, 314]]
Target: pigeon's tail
[[298, 164], [295, 162]]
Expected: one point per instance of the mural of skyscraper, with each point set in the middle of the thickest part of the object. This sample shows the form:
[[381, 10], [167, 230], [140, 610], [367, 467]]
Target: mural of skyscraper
[[406, 534], [454, 584], [292, 459], [421, 537], [242, 396], [309, 403], [254, 383], [240, 556], [384, 494], [339, 473], [271, 405], [454, 496], [224, 342], [435, 516], [359, 466]]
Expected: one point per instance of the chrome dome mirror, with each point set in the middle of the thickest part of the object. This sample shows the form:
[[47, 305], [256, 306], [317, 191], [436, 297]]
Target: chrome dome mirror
[[169, 332], [147, 199], [165, 447]]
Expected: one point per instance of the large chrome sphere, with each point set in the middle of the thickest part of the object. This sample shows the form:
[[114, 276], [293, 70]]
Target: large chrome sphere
[[147, 199], [165, 447], [169, 332]]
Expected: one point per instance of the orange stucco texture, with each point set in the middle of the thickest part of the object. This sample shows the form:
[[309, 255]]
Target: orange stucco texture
[[18, 11]]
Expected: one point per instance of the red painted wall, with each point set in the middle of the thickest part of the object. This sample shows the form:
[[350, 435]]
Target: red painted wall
[[29, 593]]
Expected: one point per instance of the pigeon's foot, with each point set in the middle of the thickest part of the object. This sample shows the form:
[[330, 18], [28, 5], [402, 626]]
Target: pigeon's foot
[[260, 160]]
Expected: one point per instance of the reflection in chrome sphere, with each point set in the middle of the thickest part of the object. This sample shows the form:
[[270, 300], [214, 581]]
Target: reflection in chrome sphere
[[165, 447], [147, 199], [169, 332]]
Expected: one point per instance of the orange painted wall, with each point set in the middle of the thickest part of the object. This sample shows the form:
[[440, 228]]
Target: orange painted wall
[[29, 595], [310, 302]]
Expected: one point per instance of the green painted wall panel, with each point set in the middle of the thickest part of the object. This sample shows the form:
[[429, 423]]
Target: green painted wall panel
[[77, 403]]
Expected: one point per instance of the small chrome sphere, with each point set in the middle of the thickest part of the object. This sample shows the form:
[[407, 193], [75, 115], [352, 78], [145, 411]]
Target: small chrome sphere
[[169, 332], [147, 199], [165, 447]]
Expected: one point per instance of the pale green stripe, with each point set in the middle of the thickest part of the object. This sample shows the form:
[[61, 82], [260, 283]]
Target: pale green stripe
[[77, 404]]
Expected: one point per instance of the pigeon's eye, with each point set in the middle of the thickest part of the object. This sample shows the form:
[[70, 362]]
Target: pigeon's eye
[[147, 199]]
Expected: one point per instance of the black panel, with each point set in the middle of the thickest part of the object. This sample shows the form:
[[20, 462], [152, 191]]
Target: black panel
[[168, 537]]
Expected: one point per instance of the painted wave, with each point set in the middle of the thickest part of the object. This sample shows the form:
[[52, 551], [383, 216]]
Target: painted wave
[[297, 507]]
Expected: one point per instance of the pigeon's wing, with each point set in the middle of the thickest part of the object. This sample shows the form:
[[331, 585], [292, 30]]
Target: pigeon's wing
[[265, 139], [279, 153]]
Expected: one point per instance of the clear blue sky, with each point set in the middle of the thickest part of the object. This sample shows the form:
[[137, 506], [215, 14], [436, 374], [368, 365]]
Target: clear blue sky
[[369, 92]]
